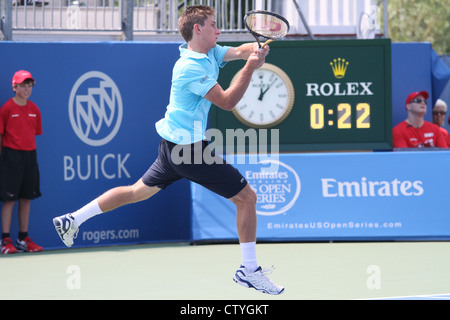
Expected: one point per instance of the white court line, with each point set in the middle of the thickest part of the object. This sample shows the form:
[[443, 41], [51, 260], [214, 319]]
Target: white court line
[[442, 296]]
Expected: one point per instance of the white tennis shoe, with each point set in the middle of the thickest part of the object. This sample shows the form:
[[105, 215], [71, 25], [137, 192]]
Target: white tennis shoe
[[66, 228], [257, 280]]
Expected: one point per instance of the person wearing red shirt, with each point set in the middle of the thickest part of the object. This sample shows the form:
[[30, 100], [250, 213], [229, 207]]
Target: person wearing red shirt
[[448, 136], [415, 132], [20, 122]]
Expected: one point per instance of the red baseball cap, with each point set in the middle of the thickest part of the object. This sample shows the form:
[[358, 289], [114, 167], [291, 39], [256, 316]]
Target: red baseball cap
[[413, 95], [20, 76]]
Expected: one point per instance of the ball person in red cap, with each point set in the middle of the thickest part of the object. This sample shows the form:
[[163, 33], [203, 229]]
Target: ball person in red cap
[[20, 122], [415, 132]]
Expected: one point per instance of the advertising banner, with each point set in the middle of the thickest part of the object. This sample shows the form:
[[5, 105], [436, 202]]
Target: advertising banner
[[348, 196], [99, 104]]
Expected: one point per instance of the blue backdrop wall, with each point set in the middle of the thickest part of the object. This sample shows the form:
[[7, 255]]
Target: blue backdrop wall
[[416, 67], [99, 103]]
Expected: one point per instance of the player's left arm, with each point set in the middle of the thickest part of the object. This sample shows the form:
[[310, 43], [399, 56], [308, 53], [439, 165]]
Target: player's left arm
[[242, 52], [227, 99]]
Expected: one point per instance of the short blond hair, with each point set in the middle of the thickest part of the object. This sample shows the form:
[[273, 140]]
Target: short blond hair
[[191, 16]]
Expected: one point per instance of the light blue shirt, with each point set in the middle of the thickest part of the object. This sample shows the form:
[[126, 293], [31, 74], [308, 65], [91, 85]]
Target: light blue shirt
[[194, 74]]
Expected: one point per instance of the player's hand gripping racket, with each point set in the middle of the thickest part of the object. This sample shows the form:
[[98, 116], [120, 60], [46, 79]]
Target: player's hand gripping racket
[[267, 25]]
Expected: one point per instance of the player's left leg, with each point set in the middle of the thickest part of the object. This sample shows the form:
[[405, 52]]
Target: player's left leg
[[121, 196], [67, 225]]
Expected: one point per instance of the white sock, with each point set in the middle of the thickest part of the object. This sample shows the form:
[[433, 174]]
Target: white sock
[[88, 211], [248, 255]]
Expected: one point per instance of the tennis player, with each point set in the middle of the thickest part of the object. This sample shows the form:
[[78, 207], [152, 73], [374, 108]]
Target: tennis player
[[194, 88]]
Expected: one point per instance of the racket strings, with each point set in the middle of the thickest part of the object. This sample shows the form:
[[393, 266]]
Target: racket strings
[[267, 25]]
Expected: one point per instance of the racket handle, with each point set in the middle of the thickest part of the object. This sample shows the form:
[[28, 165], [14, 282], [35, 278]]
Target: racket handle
[[266, 43]]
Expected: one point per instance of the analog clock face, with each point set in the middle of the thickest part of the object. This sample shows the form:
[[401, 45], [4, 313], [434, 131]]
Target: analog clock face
[[268, 99]]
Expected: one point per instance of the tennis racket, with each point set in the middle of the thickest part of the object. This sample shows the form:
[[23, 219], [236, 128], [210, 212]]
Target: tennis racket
[[266, 24]]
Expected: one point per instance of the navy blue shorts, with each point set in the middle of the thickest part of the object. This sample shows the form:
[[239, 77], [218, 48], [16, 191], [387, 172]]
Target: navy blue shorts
[[196, 162]]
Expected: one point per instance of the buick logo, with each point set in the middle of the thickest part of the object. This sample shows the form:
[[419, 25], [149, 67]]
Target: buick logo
[[95, 108]]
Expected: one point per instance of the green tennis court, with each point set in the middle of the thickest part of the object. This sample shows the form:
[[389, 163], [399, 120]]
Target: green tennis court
[[367, 270]]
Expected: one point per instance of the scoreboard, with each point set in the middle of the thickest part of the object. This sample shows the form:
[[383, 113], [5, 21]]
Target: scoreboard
[[317, 95]]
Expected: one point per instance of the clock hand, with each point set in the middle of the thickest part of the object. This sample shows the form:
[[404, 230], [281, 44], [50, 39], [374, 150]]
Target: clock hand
[[261, 95]]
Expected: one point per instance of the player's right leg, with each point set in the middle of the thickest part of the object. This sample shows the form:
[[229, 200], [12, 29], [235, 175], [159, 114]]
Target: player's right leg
[[67, 225]]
